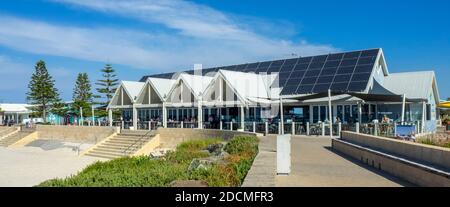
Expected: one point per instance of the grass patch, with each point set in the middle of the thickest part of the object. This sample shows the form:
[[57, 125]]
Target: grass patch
[[145, 172]]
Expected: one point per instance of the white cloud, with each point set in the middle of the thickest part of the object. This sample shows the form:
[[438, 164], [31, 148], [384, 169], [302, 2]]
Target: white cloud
[[193, 34]]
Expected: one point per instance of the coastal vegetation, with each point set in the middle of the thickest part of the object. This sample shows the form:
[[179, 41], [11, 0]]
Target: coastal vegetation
[[228, 166]]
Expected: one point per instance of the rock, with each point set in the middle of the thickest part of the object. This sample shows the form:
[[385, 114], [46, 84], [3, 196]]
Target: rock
[[215, 149], [188, 183], [158, 153], [200, 164]]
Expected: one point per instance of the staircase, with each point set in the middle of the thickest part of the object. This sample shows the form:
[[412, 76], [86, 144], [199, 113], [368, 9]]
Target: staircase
[[124, 144], [6, 130], [13, 138]]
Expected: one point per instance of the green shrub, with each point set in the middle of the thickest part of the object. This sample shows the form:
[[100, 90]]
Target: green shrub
[[142, 171], [241, 144]]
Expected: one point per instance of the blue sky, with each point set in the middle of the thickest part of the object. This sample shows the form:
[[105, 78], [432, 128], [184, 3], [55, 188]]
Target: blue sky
[[143, 36]]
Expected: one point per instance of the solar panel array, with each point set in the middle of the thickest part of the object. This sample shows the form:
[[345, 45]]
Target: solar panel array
[[348, 71]]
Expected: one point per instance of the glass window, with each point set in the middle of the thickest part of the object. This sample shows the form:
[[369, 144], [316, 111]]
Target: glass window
[[354, 113], [315, 114], [340, 112], [323, 113]]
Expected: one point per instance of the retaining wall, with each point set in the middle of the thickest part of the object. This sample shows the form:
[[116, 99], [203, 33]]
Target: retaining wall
[[78, 134], [422, 165], [171, 137], [427, 154]]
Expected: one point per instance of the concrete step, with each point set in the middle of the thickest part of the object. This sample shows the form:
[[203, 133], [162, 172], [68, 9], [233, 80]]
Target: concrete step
[[130, 138], [111, 150], [124, 142], [5, 142], [111, 154], [119, 147], [103, 156]]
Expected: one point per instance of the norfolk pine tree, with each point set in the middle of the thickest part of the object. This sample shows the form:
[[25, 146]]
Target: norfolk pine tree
[[42, 92], [107, 87], [82, 95]]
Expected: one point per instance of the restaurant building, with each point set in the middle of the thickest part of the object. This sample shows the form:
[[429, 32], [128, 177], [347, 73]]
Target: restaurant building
[[355, 86]]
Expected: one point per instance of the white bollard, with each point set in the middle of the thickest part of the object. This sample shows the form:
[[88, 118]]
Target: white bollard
[[376, 129], [323, 129], [357, 127], [395, 129], [283, 154], [339, 129], [231, 126], [267, 128], [293, 128], [123, 126], [279, 127], [182, 125], [220, 125], [254, 127], [307, 128]]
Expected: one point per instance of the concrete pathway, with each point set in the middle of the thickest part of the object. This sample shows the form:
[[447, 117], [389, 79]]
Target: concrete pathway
[[314, 164], [39, 161], [262, 172]]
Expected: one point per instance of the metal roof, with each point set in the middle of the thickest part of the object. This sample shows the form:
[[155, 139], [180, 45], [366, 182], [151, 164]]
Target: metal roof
[[415, 85]]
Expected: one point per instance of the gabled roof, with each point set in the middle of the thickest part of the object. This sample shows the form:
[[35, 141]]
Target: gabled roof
[[160, 85], [249, 85], [196, 84], [415, 85], [132, 88]]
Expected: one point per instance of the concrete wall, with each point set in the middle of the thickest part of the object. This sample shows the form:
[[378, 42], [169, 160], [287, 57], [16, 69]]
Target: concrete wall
[[426, 154], [414, 173], [79, 134], [171, 137]]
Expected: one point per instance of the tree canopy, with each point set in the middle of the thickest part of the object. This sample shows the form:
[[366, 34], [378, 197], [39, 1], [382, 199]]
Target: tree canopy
[[42, 92]]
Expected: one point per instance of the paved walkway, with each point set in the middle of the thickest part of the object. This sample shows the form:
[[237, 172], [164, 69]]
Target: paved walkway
[[314, 164], [39, 161], [262, 173]]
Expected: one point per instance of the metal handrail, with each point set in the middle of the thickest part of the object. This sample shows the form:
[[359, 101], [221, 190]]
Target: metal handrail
[[138, 140]]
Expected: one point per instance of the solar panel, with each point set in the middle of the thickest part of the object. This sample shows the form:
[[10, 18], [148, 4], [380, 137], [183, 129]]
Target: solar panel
[[349, 71]]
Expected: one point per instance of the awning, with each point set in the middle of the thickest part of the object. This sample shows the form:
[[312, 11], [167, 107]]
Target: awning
[[445, 105], [366, 97]]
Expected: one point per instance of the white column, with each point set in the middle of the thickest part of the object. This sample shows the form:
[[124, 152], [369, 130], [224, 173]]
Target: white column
[[242, 118], [110, 117], [93, 115], [254, 127], [164, 115], [330, 115], [135, 117], [359, 112], [357, 127], [403, 109], [311, 114], [423, 117], [200, 115], [81, 117], [281, 117]]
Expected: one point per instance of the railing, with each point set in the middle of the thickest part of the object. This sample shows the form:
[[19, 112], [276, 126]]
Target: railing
[[190, 125], [173, 124], [149, 125], [300, 129], [211, 125], [315, 129], [139, 141]]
